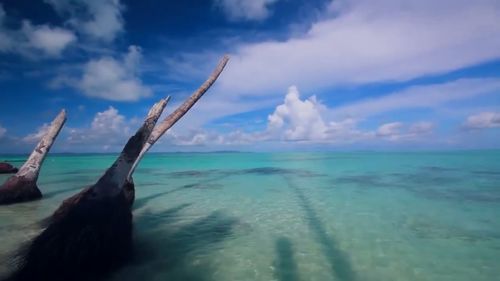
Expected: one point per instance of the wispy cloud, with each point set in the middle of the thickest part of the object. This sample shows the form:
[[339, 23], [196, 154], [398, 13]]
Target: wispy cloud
[[482, 120], [245, 10], [37, 135], [51, 40], [370, 41], [109, 78], [97, 19], [34, 41], [422, 96]]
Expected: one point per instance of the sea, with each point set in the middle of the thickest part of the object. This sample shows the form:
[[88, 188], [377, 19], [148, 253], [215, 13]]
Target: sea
[[227, 216]]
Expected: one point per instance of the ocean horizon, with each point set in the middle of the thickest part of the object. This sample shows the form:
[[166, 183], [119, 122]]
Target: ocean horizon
[[359, 215]]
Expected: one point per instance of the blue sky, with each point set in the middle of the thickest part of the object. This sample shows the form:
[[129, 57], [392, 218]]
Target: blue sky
[[303, 75]]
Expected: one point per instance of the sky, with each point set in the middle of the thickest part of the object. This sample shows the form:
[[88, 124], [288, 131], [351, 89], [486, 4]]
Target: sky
[[303, 75]]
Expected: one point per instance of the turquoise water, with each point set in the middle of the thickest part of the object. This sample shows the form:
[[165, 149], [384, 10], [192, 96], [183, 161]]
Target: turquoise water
[[294, 216]]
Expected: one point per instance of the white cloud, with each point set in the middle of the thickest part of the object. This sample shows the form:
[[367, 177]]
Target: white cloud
[[111, 79], [421, 128], [299, 119], [305, 120], [398, 131], [241, 10], [38, 134], [389, 129], [483, 120], [108, 128], [51, 40], [3, 131], [31, 40], [99, 19], [370, 41], [422, 96]]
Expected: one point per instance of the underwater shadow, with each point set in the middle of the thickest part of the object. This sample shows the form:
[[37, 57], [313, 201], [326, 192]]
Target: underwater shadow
[[339, 261], [205, 184], [169, 251], [286, 267]]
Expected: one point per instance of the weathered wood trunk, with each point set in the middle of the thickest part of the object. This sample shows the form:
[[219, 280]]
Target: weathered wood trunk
[[171, 119], [22, 186], [90, 234]]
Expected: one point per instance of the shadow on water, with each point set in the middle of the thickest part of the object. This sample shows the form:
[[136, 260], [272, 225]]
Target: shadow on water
[[286, 267], [203, 184], [339, 261], [143, 201], [166, 251]]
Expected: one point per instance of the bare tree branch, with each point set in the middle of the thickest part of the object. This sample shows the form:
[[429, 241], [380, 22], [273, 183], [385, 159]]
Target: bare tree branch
[[171, 119]]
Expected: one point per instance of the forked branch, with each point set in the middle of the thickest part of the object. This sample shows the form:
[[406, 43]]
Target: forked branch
[[171, 119]]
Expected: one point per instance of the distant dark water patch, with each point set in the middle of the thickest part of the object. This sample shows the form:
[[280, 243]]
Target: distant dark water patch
[[438, 169], [366, 180], [431, 185], [203, 185], [261, 171], [195, 173], [486, 173], [266, 171]]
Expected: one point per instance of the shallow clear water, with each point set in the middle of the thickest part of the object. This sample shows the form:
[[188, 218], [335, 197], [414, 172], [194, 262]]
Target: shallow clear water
[[294, 216]]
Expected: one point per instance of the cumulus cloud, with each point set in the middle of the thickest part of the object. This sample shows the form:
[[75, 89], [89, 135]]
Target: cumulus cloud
[[483, 120], [98, 19], [370, 41], [241, 10], [299, 119], [111, 79], [108, 128], [305, 120], [28, 40], [51, 40]]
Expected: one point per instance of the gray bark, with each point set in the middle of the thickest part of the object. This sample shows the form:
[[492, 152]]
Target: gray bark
[[114, 178], [171, 119], [31, 168]]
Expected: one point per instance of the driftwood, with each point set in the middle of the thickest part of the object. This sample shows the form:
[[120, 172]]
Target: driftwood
[[22, 186], [90, 234], [169, 121]]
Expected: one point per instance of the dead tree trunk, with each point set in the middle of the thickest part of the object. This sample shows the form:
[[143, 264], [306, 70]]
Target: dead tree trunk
[[90, 234], [171, 119], [22, 186]]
